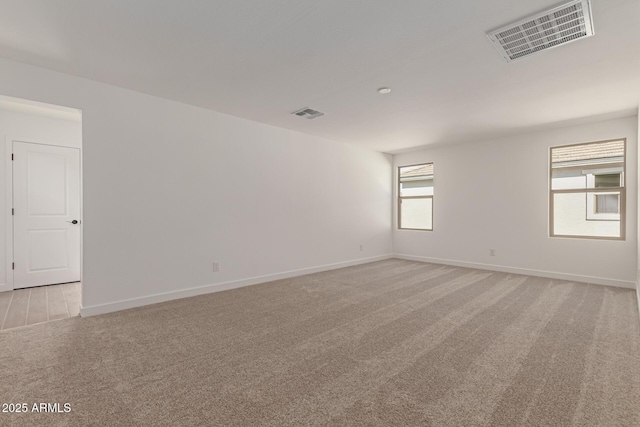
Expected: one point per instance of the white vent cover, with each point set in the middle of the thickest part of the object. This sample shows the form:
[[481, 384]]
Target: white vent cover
[[560, 25], [308, 113]]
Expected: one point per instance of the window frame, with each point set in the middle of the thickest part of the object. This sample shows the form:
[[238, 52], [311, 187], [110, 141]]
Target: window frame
[[400, 198], [622, 189]]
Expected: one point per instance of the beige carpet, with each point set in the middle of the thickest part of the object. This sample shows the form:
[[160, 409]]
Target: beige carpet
[[392, 343]]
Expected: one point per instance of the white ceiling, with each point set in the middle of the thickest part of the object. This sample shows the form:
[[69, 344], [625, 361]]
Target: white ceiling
[[263, 60]]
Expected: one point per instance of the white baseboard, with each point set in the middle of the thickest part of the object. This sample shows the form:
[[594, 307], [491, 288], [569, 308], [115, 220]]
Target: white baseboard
[[525, 271], [217, 287], [4, 287]]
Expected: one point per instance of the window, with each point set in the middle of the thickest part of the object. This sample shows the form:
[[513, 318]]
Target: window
[[415, 197], [607, 180], [607, 204], [587, 190]]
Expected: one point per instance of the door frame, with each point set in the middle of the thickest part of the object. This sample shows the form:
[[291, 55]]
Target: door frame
[[10, 139]]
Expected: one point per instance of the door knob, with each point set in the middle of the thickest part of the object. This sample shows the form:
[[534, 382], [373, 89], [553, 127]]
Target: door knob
[[75, 221]]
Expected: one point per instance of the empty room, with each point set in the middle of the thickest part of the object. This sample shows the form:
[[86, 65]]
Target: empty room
[[331, 213]]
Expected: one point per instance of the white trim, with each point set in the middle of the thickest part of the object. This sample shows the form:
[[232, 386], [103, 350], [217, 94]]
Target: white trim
[[525, 271], [4, 287], [217, 287], [8, 217]]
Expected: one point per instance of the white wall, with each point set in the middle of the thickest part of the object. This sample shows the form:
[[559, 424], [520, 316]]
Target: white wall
[[495, 194], [169, 188], [29, 127]]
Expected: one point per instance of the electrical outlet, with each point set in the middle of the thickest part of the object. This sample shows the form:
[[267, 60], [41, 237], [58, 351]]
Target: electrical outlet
[[492, 252], [216, 266]]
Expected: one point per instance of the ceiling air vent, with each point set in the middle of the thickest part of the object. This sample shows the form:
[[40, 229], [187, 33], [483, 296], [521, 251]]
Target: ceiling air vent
[[308, 113], [560, 25]]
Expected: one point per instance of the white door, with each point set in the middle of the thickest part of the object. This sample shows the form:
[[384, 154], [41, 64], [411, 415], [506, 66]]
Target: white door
[[46, 217]]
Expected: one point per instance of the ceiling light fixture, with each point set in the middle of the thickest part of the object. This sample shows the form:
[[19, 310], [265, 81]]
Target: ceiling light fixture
[[384, 90]]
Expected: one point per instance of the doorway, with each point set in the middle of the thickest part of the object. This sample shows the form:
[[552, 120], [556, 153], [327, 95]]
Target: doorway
[[43, 208]]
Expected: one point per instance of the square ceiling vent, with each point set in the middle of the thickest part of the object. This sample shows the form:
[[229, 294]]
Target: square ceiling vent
[[554, 27], [308, 113]]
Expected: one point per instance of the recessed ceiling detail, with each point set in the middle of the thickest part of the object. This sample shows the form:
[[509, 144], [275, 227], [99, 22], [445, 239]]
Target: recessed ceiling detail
[[308, 113], [560, 25]]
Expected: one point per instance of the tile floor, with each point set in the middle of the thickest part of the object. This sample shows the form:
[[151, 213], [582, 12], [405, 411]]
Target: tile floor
[[41, 304]]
